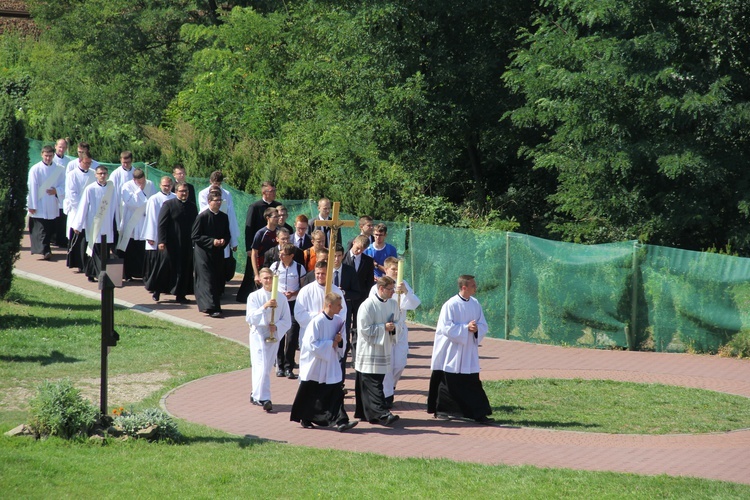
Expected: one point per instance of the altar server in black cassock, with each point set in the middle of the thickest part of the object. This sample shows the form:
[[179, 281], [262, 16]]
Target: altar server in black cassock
[[210, 236], [455, 388], [176, 220], [320, 396]]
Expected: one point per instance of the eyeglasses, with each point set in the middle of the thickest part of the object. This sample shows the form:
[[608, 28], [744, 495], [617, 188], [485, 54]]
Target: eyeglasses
[[389, 289]]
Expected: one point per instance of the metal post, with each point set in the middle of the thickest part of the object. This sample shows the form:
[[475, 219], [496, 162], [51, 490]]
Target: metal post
[[631, 331], [109, 336], [507, 285], [411, 249]]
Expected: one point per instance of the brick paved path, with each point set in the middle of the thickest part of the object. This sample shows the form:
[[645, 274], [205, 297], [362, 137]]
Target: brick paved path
[[222, 401]]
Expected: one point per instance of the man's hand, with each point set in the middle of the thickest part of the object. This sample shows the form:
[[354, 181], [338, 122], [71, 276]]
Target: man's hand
[[162, 246], [270, 303], [473, 326]]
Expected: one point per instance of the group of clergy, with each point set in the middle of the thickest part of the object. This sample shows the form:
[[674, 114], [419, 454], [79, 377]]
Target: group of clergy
[[378, 326], [179, 247]]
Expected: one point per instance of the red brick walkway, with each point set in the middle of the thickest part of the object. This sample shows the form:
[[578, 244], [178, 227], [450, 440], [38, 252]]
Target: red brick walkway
[[222, 401]]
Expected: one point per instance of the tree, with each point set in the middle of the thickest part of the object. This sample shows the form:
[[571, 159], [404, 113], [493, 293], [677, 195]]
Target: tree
[[14, 167], [643, 112]]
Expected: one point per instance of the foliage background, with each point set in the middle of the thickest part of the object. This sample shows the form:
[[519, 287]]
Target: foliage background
[[582, 120]]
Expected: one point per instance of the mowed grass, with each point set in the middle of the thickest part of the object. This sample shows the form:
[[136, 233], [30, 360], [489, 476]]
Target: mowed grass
[[49, 334], [615, 407]]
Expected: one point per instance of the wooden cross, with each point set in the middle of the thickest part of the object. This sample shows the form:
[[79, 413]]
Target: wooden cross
[[335, 223]]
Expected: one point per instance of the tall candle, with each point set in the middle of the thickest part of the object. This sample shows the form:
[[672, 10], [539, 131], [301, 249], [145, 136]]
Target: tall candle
[[275, 287], [400, 276]]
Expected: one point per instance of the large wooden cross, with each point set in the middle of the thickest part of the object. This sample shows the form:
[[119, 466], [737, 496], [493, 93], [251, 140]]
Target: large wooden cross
[[335, 223]]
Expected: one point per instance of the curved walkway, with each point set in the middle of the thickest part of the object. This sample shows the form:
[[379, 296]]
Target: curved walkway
[[222, 401]]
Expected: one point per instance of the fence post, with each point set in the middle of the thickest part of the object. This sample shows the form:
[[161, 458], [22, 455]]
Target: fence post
[[630, 331], [411, 248], [507, 285]]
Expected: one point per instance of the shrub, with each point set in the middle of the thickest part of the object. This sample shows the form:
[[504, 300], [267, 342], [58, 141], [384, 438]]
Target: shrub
[[59, 410], [14, 167], [131, 423]]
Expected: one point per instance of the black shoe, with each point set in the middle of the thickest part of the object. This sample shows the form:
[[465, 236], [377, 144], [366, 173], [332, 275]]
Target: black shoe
[[255, 401], [485, 420], [216, 314], [290, 374], [280, 373], [346, 426], [389, 402], [92, 279], [156, 296], [306, 424], [47, 256], [267, 405], [182, 300], [388, 419]]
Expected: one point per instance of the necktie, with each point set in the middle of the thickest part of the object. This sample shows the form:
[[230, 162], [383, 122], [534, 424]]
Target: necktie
[[356, 263], [336, 278]]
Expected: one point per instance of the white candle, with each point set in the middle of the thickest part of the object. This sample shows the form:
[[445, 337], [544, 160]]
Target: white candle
[[400, 275]]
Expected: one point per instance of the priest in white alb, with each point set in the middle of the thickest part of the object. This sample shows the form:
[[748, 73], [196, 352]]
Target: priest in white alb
[[95, 215], [156, 273], [76, 181], [131, 244]]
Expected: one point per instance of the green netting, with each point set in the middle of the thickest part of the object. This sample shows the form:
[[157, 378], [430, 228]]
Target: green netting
[[535, 290], [695, 300], [438, 255], [569, 294]]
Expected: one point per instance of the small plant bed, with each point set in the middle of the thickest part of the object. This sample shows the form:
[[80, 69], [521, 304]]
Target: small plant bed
[[615, 407], [59, 410]]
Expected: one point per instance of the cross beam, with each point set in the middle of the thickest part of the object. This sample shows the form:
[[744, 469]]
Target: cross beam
[[335, 223]]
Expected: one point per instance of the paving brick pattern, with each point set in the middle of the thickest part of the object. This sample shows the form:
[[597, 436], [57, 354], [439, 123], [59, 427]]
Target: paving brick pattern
[[223, 401]]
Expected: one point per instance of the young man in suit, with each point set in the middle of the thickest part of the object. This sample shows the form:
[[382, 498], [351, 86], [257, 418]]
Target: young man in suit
[[364, 266]]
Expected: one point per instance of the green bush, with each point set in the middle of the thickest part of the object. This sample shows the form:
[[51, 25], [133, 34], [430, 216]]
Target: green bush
[[59, 410], [14, 167], [131, 423]]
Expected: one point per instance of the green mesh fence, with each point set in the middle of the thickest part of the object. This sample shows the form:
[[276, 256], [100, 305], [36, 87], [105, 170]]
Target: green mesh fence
[[534, 290]]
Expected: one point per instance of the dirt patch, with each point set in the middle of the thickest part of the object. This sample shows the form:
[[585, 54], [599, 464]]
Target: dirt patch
[[122, 390]]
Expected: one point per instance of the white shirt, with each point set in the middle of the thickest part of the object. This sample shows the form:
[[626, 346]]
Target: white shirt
[[289, 277]]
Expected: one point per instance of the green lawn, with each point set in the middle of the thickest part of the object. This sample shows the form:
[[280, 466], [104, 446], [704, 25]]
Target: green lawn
[[615, 407], [47, 334]]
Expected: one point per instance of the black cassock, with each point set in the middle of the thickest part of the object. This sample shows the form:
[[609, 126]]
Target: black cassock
[[209, 259], [176, 220]]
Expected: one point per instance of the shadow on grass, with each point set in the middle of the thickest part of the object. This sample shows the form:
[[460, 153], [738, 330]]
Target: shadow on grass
[[44, 360], [59, 306], [544, 424], [246, 441], [15, 321]]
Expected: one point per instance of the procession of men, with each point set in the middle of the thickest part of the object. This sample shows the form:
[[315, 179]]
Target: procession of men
[[350, 305]]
